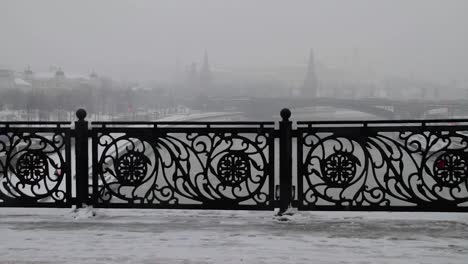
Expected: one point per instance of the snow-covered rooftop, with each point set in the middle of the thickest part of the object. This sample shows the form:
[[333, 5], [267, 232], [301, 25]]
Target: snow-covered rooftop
[[19, 81], [50, 75]]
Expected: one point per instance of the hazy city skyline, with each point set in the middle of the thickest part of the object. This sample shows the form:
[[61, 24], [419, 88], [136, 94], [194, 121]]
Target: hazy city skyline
[[144, 39]]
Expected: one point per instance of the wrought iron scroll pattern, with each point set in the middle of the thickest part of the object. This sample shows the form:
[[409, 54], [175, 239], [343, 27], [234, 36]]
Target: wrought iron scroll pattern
[[34, 167], [398, 168], [201, 167]]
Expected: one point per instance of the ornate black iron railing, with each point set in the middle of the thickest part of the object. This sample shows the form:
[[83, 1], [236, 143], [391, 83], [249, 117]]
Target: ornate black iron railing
[[35, 161], [341, 165], [417, 166], [184, 165]]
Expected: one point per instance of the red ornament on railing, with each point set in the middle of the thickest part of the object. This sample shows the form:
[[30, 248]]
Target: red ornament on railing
[[441, 164]]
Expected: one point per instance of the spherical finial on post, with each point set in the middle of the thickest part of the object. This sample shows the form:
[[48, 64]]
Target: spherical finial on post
[[81, 114], [285, 114]]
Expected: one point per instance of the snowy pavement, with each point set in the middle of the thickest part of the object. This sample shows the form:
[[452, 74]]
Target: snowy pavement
[[184, 236]]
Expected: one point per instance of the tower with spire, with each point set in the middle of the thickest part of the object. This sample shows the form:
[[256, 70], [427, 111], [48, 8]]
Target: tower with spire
[[59, 74], [60, 78], [310, 86], [205, 74]]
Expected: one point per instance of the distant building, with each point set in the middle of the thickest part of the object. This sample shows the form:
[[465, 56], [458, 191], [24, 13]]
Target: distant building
[[7, 79], [191, 75], [11, 80], [28, 74], [205, 75], [310, 85], [59, 79]]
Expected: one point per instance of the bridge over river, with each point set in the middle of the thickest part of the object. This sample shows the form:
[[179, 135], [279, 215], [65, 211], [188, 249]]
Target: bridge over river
[[261, 108]]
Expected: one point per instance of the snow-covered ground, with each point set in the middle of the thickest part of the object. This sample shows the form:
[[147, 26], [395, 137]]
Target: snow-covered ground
[[184, 236]]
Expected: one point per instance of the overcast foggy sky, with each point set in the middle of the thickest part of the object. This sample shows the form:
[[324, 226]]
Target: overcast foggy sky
[[139, 39]]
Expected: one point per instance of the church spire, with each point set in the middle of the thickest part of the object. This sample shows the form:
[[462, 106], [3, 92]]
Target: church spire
[[310, 85]]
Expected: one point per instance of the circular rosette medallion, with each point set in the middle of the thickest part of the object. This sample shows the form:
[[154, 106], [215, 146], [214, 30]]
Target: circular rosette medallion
[[339, 169], [32, 167], [128, 168], [335, 169], [132, 168], [36, 167], [234, 168], [450, 169], [237, 169]]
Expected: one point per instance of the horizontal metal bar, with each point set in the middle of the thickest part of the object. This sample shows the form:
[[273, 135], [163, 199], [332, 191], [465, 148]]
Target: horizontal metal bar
[[35, 123], [36, 129], [185, 130], [35, 204], [373, 130], [384, 208], [198, 123], [218, 206], [403, 121], [376, 129]]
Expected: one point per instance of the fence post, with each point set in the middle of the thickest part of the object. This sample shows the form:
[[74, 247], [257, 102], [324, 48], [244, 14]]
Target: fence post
[[81, 158], [285, 165]]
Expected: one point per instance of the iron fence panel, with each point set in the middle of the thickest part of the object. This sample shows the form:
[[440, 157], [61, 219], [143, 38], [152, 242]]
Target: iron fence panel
[[186, 166], [391, 168], [35, 162]]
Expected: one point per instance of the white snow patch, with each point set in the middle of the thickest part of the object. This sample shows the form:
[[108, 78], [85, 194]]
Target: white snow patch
[[83, 213], [19, 81]]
